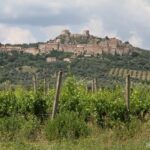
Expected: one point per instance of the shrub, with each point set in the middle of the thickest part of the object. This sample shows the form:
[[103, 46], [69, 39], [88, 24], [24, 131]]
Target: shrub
[[109, 107], [66, 125], [7, 103], [30, 128], [128, 129], [17, 126], [74, 98], [39, 107]]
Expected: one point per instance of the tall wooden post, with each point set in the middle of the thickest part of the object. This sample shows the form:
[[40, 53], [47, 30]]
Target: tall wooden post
[[48, 85], [127, 94], [95, 84], [44, 87], [58, 85], [34, 82], [89, 87]]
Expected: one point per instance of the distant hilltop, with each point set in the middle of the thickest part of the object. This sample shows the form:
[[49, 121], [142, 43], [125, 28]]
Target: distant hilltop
[[79, 44]]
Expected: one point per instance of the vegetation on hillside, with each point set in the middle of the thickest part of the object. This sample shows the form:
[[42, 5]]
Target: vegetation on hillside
[[12, 66]]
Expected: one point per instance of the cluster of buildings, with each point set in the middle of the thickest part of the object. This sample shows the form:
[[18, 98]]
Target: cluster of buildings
[[104, 46], [65, 42]]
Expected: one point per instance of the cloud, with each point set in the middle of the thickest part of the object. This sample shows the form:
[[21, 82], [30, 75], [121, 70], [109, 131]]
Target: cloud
[[52, 31], [15, 35], [40, 13], [103, 17], [97, 27], [135, 40]]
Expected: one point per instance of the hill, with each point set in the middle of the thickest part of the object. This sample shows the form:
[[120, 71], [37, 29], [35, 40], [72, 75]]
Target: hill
[[17, 67], [83, 55]]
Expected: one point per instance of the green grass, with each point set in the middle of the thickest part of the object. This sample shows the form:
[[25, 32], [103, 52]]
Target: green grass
[[108, 139]]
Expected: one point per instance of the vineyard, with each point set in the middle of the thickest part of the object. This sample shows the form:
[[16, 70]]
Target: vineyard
[[135, 74], [25, 115]]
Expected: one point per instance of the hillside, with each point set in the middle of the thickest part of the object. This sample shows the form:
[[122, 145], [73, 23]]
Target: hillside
[[17, 68], [84, 55]]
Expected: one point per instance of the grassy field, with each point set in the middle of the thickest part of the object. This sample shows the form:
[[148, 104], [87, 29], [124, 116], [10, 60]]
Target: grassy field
[[117, 139]]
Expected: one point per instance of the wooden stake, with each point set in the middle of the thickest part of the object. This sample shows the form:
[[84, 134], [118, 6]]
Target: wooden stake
[[95, 84], [48, 86], [89, 87], [44, 87], [56, 100], [127, 94], [34, 83]]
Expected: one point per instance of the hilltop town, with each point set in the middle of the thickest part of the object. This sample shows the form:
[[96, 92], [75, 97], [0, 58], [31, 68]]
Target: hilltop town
[[79, 44]]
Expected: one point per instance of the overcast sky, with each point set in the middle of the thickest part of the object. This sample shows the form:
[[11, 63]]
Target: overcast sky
[[40, 20]]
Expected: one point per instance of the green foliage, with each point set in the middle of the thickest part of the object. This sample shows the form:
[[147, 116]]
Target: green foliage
[[39, 107], [76, 109], [140, 101], [9, 126], [66, 125], [74, 98], [106, 105], [14, 127], [129, 129], [12, 66], [23, 102], [109, 106], [8, 103], [136, 137], [59, 54]]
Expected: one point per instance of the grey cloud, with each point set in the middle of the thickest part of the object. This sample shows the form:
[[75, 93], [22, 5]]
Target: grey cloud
[[44, 17], [122, 16]]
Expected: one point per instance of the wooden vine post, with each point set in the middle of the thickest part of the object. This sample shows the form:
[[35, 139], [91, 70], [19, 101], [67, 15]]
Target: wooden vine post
[[48, 85], [56, 99], [95, 84], [44, 86], [127, 93], [34, 82]]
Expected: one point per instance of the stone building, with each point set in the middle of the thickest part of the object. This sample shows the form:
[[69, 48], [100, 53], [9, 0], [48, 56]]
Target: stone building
[[31, 50], [51, 59], [48, 47]]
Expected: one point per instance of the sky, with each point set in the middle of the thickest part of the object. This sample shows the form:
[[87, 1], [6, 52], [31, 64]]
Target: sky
[[28, 21]]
